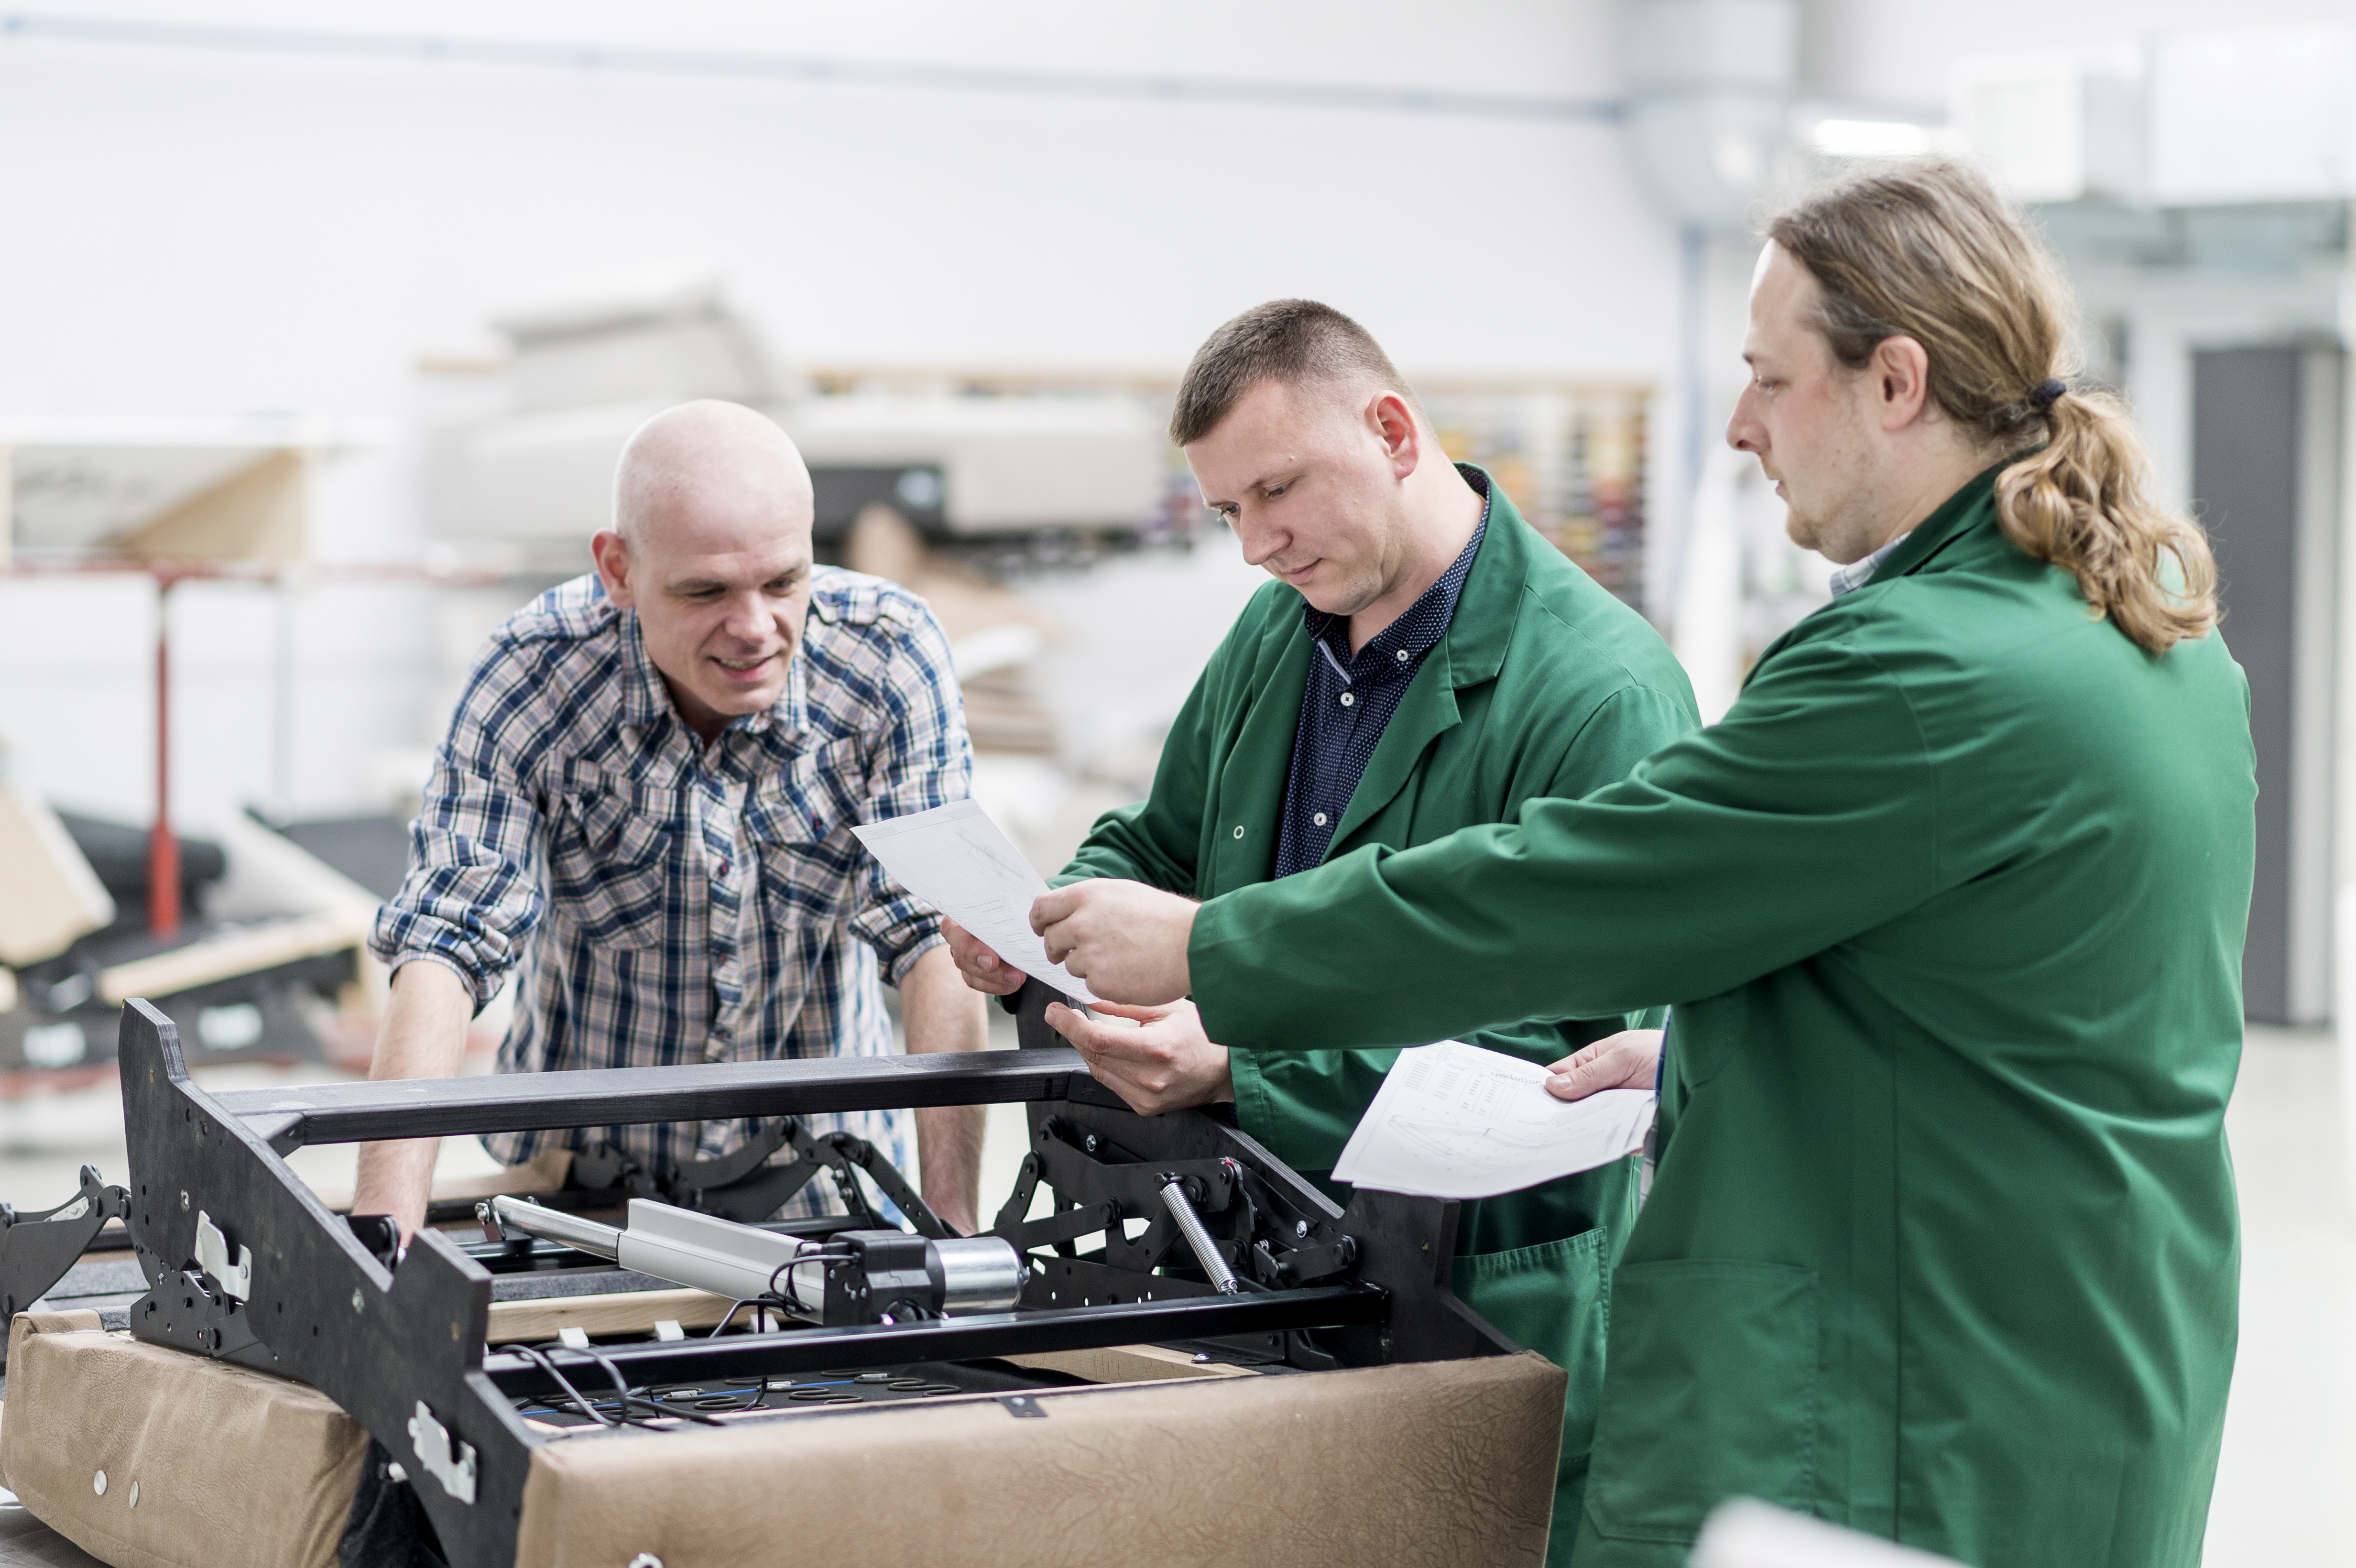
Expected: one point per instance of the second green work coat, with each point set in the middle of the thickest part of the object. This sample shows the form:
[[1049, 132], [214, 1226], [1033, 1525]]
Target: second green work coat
[[1943, 1244], [1544, 685]]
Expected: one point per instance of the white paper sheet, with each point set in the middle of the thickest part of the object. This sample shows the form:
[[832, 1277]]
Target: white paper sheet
[[956, 859], [1454, 1121]]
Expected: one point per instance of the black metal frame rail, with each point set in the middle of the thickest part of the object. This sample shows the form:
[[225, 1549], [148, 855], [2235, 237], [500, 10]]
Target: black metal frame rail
[[289, 1119]]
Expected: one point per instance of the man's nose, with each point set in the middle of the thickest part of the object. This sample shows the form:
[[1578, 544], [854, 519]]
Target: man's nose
[[748, 619], [1742, 431], [1260, 544]]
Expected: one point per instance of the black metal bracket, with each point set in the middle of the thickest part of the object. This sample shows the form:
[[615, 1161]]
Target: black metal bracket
[[36, 1249]]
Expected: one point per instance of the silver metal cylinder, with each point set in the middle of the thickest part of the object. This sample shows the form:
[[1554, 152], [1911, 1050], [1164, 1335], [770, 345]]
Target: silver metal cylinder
[[1190, 1225], [979, 1273], [586, 1236]]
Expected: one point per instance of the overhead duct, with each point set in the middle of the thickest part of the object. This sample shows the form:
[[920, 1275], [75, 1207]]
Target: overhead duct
[[1709, 83]]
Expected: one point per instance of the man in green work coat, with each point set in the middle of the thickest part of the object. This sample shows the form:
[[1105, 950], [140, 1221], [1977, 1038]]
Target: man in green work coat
[[1424, 662], [1943, 1244]]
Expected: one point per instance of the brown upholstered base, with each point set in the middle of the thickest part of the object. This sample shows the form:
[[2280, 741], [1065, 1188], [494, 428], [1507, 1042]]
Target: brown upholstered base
[[1442, 1463], [1448, 1464], [204, 1463]]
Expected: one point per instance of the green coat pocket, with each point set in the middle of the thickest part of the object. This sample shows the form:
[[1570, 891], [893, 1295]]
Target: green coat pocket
[[1712, 1394], [1551, 1298]]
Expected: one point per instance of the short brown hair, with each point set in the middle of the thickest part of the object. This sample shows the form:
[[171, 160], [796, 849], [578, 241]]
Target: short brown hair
[[1293, 341], [1928, 250]]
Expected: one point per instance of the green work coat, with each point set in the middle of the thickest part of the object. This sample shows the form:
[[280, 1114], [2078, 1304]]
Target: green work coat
[[1943, 1244], [1543, 684]]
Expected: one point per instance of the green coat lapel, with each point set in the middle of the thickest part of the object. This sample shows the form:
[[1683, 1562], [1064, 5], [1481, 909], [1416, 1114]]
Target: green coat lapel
[[1251, 784], [1473, 651]]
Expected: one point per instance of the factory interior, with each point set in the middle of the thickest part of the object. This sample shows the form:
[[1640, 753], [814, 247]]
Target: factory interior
[[329, 327]]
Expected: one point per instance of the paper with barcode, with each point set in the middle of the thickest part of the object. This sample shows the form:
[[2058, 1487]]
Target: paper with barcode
[[957, 860], [1454, 1121]]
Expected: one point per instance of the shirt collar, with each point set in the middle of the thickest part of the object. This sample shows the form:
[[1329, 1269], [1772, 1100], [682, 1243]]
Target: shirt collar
[[1858, 573], [1420, 625]]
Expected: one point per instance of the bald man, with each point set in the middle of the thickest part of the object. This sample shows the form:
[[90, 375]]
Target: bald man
[[643, 810]]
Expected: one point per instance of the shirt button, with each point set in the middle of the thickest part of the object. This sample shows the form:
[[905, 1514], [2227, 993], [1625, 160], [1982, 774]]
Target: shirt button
[[1239, 830], [1402, 655], [1319, 819], [1348, 701]]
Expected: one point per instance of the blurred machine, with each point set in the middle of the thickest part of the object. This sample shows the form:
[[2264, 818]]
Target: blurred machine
[[957, 459]]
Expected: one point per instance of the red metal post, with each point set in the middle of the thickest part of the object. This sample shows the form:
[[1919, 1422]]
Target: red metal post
[[163, 849]]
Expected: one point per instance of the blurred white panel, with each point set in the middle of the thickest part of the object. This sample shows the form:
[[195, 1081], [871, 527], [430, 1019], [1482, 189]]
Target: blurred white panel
[[537, 476], [2252, 115], [2024, 117]]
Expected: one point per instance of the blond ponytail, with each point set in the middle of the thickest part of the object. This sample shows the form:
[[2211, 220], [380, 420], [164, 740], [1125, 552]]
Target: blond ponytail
[[2079, 502], [1928, 251]]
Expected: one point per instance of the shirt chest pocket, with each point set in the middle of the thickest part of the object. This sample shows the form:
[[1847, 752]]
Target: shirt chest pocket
[[799, 826], [609, 869]]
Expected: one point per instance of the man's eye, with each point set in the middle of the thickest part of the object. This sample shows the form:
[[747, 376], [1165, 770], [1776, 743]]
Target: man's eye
[[1273, 493]]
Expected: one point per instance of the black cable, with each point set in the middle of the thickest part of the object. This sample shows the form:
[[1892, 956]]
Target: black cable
[[540, 1358], [630, 1397]]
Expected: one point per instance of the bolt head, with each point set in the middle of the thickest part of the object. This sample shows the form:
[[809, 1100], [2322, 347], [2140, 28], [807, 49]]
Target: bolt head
[[1300, 1230]]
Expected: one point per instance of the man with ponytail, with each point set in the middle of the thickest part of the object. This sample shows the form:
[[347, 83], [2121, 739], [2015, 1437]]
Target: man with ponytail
[[1942, 1242]]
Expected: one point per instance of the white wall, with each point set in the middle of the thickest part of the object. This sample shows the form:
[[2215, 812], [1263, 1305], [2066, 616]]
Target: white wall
[[211, 231]]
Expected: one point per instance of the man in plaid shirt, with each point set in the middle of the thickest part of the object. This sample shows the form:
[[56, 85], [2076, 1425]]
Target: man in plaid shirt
[[643, 807]]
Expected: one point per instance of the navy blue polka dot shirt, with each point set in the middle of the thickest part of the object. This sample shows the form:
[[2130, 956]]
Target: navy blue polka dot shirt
[[1350, 700]]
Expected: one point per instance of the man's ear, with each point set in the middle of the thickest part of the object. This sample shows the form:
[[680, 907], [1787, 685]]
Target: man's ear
[[1901, 373], [611, 554], [1393, 424]]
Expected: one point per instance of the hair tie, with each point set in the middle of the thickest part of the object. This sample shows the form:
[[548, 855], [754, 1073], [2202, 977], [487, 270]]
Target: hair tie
[[2046, 394]]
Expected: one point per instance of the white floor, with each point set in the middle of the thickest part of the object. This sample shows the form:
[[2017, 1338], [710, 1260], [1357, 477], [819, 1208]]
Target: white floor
[[2286, 1486], [2285, 1490]]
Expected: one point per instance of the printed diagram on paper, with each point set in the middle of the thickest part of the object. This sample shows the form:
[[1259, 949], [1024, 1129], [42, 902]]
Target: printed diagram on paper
[[957, 859], [1454, 1121]]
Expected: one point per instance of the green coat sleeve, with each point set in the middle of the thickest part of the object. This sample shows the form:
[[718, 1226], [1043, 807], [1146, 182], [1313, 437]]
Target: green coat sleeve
[[1304, 1103], [1808, 815]]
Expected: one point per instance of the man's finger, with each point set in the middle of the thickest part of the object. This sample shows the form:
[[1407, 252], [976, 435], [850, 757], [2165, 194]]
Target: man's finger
[[1053, 905]]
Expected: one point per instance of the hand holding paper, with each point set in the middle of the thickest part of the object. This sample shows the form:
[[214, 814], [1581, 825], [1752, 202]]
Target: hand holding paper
[[1454, 1121], [955, 859]]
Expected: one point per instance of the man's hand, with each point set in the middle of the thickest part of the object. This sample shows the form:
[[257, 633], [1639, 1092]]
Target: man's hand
[[1165, 1064], [982, 969], [1629, 1059], [1126, 939]]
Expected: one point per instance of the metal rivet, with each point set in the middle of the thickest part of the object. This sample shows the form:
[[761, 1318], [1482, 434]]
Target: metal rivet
[[1300, 1229], [184, 1200], [356, 1300], [134, 1494], [98, 1483]]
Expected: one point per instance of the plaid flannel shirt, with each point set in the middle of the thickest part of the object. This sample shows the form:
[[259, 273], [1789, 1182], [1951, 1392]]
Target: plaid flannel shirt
[[666, 902]]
